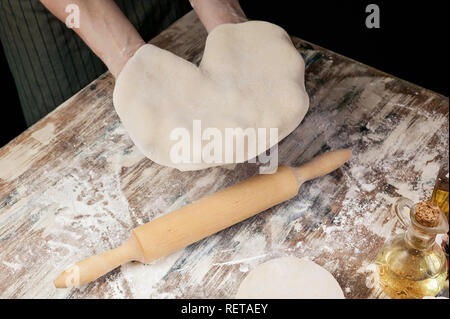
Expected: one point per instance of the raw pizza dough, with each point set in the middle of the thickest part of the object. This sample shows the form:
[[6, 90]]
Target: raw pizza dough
[[289, 278], [251, 76]]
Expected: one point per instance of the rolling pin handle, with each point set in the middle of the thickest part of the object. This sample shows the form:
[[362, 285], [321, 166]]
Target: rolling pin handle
[[321, 165], [96, 266]]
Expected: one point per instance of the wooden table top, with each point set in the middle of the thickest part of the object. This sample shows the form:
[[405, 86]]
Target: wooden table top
[[74, 185]]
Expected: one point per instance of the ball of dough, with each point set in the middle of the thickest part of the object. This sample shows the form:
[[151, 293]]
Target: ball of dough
[[289, 278], [250, 76]]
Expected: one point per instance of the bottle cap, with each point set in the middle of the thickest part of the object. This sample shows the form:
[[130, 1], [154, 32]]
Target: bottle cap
[[427, 214]]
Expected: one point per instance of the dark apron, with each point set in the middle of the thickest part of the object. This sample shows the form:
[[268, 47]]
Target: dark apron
[[50, 62]]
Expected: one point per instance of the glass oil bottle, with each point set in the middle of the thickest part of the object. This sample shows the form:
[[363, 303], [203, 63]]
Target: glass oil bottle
[[412, 265], [440, 192]]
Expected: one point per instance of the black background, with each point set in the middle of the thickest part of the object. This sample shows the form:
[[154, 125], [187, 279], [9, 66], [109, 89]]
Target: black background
[[277, 308], [411, 44]]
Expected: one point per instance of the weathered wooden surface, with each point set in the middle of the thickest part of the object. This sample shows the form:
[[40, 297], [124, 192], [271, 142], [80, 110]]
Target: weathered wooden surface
[[74, 185]]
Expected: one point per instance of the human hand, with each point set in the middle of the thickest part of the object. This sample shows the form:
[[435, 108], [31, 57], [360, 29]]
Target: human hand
[[216, 12], [104, 28]]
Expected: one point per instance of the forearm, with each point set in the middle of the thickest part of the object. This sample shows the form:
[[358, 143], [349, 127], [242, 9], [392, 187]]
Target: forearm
[[215, 12], [104, 28]]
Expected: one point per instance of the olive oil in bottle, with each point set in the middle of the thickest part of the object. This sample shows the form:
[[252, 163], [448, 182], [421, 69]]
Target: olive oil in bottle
[[412, 265], [440, 192]]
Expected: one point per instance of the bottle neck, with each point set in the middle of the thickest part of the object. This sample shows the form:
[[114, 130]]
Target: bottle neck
[[419, 239]]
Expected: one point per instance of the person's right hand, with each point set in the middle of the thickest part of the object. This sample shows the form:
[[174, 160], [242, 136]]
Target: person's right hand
[[104, 28]]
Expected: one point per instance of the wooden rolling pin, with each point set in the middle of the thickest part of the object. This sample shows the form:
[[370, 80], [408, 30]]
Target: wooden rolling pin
[[203, 218]]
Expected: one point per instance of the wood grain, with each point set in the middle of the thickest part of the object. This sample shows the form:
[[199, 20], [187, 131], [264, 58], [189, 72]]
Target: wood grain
[[74, 185]]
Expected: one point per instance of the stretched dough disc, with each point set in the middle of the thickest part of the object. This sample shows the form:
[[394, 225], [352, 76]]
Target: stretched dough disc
[[289, 278], [250, 77]]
